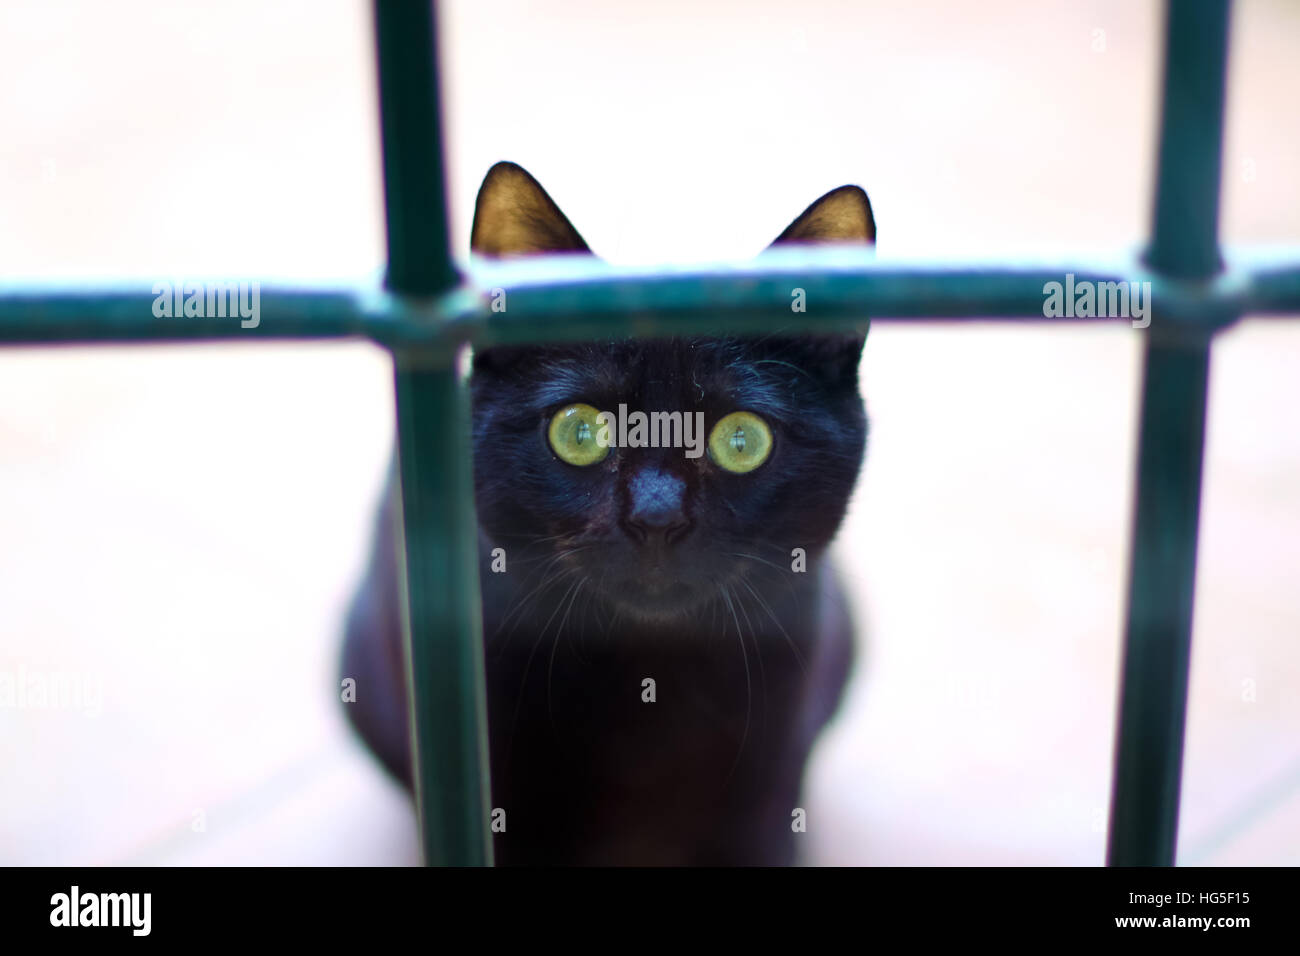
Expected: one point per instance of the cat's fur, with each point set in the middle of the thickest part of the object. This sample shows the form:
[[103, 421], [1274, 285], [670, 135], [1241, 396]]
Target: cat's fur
[[648, 565]]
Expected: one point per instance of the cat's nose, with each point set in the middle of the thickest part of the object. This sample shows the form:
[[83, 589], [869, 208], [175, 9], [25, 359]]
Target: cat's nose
[[657, 509]]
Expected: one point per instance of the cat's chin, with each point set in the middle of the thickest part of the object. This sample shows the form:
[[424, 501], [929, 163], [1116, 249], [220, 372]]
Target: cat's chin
[[656, 615], [657, 602]]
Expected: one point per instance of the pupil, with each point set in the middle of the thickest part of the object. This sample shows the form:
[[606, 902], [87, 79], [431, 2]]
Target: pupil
[[738, 439], [584, 432]]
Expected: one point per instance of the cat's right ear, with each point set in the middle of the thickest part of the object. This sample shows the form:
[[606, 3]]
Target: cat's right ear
[[515, 217], [842, 215]]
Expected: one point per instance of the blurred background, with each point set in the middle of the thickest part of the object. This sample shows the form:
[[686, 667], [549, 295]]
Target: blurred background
[[181, 526]]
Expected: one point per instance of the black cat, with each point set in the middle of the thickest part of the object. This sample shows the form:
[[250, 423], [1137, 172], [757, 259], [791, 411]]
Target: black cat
[[665, 641]]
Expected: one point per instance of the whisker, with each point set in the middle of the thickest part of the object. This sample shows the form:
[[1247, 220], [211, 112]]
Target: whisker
[[758, 652], [744, 654], [528, 665], [784, 633], [783, 572], [518, 605], [550, 667]]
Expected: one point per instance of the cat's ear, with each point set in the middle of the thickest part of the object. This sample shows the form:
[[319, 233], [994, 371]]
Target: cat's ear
[[515, 217], [842, 215]]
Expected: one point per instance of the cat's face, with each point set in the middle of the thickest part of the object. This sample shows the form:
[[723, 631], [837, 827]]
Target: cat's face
[[656, 533]]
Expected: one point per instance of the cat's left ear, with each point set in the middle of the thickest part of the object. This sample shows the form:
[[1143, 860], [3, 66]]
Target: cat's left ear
[[514, 216], [842, 215]]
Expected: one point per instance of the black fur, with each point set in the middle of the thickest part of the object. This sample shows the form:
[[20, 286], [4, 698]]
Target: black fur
[[647, 565]]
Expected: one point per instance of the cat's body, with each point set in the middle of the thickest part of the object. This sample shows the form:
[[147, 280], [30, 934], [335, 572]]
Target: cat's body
[[587, 770], [663, 639]]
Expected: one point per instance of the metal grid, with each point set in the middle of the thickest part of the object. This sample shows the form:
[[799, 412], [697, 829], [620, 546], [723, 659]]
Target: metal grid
[[428, 314]]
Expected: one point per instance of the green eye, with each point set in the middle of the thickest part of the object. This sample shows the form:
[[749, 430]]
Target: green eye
[[740, 442], [573, 434]]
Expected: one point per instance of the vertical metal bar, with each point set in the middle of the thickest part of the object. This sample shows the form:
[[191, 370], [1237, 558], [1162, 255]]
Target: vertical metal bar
[[441, 621], [1157, 648], [442, 626], [410, 115], [1185, 244], [1157, 652]]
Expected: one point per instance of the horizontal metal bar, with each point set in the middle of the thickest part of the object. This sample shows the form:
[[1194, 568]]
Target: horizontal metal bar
[[125, 313], [1271, 288], [576, 297]]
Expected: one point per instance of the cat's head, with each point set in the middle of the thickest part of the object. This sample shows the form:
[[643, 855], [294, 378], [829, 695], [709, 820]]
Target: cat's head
[[657, 533]]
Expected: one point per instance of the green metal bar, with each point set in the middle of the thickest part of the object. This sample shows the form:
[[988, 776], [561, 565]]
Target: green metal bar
[[565, 298], [410, 111], [1157, 651], [443, 626], [576, 299], [1185, 243], [1148, 763], [442, 629], [125, 313]]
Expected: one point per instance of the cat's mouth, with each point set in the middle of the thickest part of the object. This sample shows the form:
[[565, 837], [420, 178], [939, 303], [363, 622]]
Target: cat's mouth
[[660, 603], [660, 583], [660, 592], [655, 585]]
